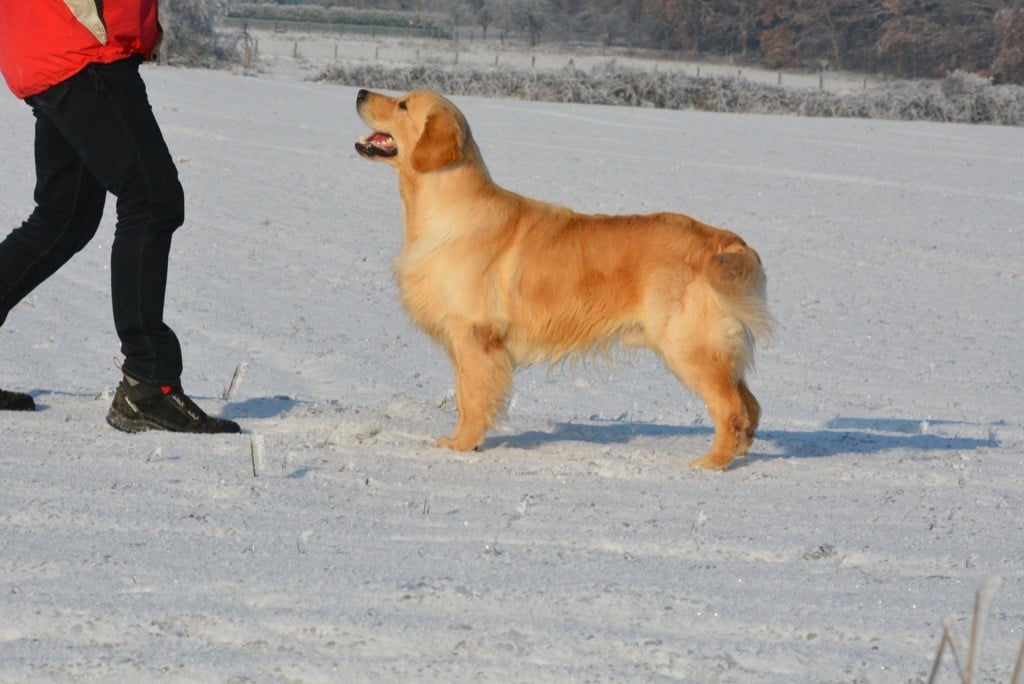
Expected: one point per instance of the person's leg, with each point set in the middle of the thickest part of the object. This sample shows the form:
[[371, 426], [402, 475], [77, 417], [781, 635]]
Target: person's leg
[[150, 207], [106, 117], [69, 206]]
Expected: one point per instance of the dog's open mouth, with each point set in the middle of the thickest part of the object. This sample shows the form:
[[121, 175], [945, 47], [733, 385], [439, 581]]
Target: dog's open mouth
[[377, 145]]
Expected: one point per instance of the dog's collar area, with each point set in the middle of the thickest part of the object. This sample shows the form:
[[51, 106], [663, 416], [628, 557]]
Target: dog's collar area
[[377, 144]]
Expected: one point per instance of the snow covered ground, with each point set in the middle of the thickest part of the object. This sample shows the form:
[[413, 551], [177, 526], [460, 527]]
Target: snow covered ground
[[332, 543]]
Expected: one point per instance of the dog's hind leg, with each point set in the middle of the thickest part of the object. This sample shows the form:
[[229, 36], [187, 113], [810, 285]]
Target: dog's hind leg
[[711, 376], [753, 408], [483, 376]]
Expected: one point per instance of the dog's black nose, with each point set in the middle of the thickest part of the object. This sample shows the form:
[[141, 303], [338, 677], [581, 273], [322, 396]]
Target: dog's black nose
[[362, 95]]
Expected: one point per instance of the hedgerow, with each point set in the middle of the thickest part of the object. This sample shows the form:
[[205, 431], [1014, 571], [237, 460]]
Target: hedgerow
[[959, 97]]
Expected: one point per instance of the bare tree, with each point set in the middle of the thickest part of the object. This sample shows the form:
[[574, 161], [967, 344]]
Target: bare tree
[[481, 14], [936, 38], [1008, 66], [601, 21], [528, 18], [189, 36]]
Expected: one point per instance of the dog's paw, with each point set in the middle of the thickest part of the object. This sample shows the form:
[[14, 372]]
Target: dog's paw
[[711, 462], [452, 442]]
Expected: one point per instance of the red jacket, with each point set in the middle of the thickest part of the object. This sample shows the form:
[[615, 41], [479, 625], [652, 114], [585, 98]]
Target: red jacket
[[44, 42]]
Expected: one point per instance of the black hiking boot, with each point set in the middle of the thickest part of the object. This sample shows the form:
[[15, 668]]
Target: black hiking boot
[[145, 406], [16, 401]]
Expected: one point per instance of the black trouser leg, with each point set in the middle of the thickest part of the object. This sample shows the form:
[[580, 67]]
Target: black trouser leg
[[69, 206], [103, 115]]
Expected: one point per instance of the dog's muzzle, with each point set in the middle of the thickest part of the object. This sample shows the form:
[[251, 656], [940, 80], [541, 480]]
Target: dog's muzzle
[[377, 145]]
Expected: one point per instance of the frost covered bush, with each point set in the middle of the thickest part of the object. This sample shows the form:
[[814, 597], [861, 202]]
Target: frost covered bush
[[959, 97]]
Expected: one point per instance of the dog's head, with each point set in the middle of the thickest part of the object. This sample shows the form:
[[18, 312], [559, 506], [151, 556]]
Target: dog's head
[[420, 131]]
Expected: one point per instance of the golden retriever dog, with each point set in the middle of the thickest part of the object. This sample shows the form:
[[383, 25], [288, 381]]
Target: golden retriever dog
[[501, 280]]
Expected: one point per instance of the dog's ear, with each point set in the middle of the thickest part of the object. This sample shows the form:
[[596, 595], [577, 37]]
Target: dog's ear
[[439, 145]]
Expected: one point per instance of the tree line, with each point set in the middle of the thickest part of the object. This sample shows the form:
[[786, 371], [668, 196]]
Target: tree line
[[906, 38]]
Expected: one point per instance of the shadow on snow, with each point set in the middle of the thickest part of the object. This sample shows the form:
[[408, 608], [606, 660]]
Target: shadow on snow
[[839, 436]]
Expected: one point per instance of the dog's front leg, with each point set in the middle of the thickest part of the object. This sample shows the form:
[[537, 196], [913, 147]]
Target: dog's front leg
[[483, 375]]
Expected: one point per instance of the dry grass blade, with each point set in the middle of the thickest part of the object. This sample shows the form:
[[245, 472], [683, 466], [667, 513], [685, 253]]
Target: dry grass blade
[[967, 669]]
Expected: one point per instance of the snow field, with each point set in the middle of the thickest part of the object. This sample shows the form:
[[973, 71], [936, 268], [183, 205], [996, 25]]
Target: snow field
[[576, 546]]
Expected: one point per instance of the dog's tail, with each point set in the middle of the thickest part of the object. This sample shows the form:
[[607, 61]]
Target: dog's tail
[[738, 280]]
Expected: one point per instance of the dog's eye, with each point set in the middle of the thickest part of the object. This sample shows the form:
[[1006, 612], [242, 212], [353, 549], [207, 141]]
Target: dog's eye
[[402, 105]]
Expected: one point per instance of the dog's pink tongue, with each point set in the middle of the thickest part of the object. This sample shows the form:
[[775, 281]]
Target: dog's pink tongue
[[378, 138]]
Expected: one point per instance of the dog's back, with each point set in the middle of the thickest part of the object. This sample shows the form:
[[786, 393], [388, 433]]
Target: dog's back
[[579, 282]]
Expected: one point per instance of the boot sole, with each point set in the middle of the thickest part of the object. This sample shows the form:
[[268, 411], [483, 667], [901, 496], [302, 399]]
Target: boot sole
[[132, 425], [119, 421]]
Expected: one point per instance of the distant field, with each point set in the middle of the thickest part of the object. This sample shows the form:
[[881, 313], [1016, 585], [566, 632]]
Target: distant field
[[297, 48]]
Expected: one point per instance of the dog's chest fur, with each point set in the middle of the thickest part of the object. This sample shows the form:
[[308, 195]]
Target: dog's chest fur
[[443, 274]]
